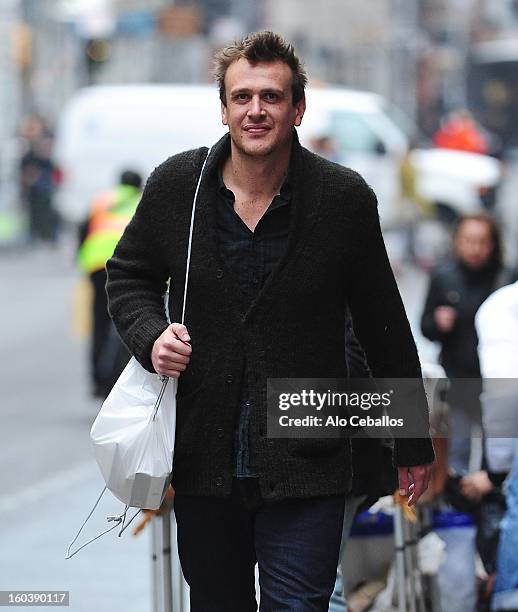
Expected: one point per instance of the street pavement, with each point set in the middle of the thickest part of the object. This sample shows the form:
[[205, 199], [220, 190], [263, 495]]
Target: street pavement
[[48, 476]]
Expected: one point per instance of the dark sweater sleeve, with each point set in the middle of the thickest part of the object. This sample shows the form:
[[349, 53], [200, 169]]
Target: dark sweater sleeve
[[381, 325], [137, 276]]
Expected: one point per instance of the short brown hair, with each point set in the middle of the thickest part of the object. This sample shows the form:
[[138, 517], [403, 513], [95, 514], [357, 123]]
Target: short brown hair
[[261, 47]]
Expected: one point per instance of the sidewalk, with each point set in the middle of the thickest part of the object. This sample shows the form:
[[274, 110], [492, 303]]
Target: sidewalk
[[39, 522]]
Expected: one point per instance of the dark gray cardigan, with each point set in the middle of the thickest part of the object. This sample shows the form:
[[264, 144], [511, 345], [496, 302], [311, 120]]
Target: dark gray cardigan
[[294, 328]]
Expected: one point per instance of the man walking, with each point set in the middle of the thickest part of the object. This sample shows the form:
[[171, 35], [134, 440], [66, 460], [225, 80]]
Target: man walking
[[283, 241]]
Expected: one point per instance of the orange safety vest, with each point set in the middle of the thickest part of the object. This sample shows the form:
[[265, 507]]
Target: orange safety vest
[[110, 213]]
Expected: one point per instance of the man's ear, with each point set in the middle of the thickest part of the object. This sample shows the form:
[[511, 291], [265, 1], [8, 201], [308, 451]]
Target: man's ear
[[224, 119], [300, 108]]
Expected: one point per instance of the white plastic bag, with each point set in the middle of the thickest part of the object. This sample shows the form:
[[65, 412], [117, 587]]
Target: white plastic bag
[[133, 437]]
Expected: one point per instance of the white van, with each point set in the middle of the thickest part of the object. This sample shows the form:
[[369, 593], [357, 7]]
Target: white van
[[105, 129], [366, 137]]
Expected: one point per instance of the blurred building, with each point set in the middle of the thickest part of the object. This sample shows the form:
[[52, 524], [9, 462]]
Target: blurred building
[[373, 48], [166, 40], [413, 52], [339, 44], [451, 28], [171, 41], [72, 43], [13, 59], [55, 57]]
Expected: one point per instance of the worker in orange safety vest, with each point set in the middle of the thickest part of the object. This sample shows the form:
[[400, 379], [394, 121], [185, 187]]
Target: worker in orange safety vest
[[110, 212]]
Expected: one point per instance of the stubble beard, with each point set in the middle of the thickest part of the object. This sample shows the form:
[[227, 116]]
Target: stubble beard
[[254, 153], [251, 151]]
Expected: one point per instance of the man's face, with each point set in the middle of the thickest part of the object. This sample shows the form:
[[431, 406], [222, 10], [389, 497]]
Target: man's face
[[259, 109]]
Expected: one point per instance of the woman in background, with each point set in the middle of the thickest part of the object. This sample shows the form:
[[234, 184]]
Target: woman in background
[[457, 289]]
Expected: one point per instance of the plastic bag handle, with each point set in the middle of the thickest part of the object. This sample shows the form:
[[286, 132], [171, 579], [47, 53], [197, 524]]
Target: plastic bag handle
[[118, 519]]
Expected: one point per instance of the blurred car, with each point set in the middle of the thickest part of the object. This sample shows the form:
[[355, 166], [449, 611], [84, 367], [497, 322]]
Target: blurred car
[[363, 131], [367, 135], [455, 181]]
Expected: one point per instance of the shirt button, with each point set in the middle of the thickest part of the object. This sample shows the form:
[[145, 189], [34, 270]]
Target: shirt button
[[230, 378], [220, 433], [219, 273], [219, 481]]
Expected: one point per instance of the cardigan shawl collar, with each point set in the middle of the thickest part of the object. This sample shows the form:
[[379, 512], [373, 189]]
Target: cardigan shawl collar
[[305, 203]]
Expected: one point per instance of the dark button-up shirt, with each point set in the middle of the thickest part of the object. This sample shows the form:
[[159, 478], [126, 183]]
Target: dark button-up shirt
[[252, 256]]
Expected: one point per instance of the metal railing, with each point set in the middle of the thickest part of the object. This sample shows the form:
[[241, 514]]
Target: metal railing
[[170, 591]]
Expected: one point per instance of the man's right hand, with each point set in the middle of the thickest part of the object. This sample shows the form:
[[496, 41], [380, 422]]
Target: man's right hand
[[171, 351]]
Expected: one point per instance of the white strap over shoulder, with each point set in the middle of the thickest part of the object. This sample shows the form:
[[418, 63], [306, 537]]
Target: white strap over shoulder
[[120, 520], [191, 229]]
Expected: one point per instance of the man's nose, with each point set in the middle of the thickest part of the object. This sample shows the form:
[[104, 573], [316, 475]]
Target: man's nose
[[256, 108]]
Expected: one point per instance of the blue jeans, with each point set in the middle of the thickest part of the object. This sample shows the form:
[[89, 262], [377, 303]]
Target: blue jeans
[[505, 595], [294, 541]]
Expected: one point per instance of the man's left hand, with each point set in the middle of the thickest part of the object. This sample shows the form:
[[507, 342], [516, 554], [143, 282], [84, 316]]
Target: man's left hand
[[476, 485], [413, 481]]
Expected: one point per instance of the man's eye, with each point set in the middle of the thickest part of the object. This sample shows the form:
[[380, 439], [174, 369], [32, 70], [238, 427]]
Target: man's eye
[[242, 96], [271, 96]]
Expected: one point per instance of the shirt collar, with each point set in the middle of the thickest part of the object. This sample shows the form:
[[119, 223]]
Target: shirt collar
[[284, 192]]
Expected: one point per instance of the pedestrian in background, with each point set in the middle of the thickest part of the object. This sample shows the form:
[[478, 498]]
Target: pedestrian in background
[[505, 595], [497, 328], [460, 131], [38, 180], [457, 289], [283, 242], [110, 212]]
